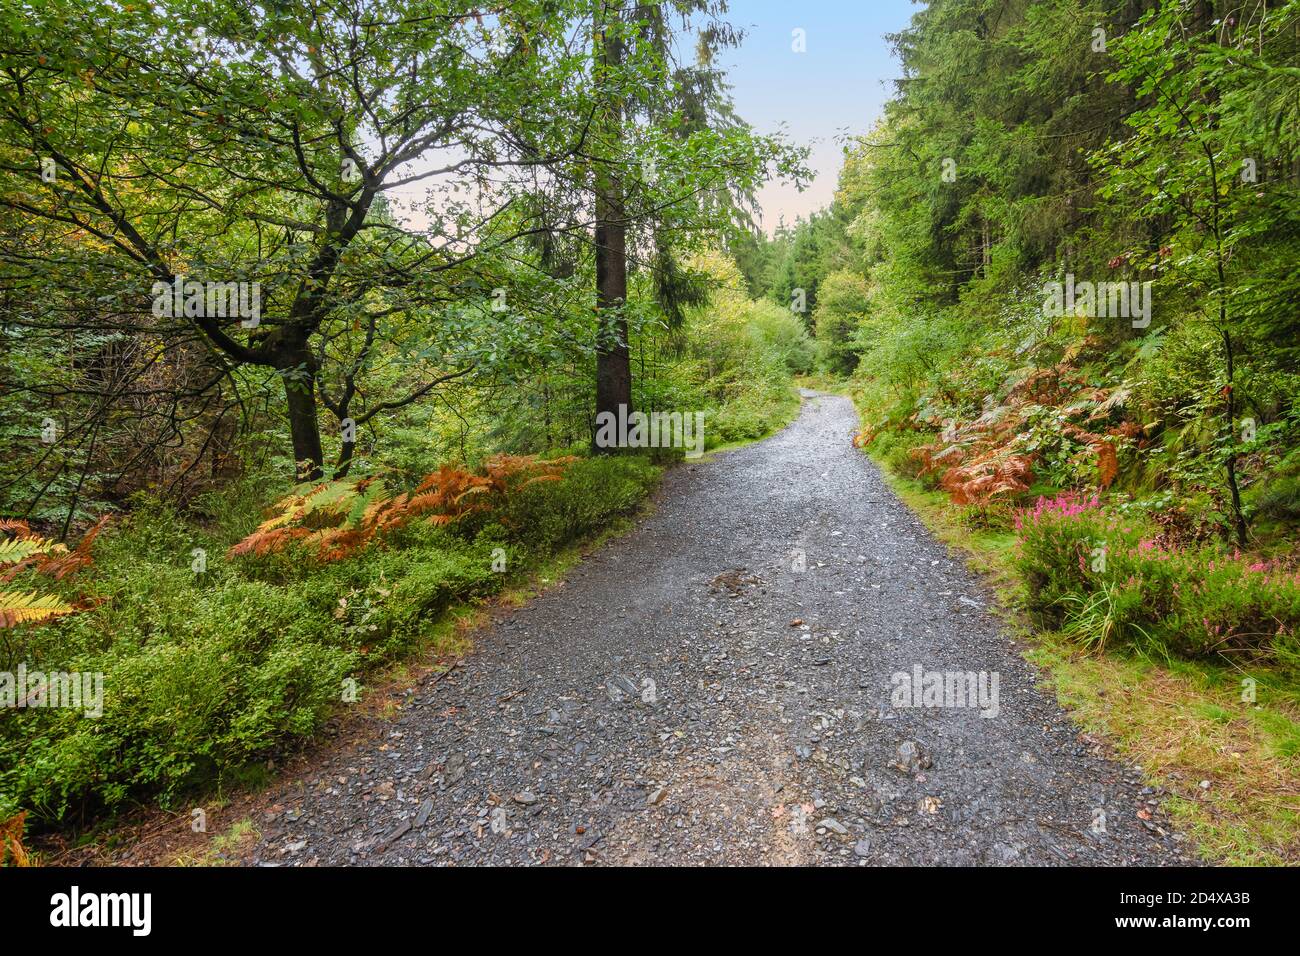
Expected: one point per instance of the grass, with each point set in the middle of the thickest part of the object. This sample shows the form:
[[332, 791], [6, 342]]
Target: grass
[[1181, 722], [1185, 728], [225, 849], [779, 417]]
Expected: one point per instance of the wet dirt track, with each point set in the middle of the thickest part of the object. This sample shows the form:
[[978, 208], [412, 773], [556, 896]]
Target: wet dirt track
[[689, 696]]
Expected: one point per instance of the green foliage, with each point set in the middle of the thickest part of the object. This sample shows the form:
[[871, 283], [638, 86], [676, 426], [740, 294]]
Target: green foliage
[[550, 515], [227, 143], [205, 671], [1103, 577], [895, 448], [843, 303], [1153, 151], [733, 360], [801, 256]]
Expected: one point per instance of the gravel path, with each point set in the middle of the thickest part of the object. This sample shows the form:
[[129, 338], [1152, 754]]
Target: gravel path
[[690, 696]]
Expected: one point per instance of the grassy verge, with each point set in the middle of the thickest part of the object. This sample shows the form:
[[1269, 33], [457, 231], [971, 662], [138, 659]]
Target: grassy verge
[[779, 414], [1230, 766]]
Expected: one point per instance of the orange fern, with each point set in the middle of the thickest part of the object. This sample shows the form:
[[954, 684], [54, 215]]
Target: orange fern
[[26, 550], [59, 567], [1107, 463], [261, 543], [980, 481], [337, 519], [12, 852]]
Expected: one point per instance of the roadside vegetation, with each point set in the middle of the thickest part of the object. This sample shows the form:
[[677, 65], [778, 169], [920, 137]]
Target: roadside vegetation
[[231, 628]]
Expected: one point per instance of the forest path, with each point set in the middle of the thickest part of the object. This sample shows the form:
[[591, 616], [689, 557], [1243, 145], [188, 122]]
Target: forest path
[[769, 737]]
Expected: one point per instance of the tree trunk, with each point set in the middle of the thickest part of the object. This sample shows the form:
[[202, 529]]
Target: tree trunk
[[346, 450], [613, 359], [304, 427], [1230, 466]]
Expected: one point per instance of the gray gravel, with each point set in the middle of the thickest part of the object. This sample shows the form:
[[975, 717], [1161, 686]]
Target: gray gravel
[[689, 696]]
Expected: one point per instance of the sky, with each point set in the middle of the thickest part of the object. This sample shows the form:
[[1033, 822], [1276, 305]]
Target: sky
[[837, 87]]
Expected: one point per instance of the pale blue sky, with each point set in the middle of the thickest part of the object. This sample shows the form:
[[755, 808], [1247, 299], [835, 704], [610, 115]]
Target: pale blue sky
[[837, 87]]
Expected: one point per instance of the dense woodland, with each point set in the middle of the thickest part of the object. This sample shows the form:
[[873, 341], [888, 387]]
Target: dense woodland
[[233, 516]]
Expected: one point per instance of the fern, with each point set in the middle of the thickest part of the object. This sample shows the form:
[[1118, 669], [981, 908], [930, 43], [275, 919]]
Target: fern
[[20, 549], [336, 519], [19, 608], [27, 550], [984, 459], [12, 852], [60, 567]]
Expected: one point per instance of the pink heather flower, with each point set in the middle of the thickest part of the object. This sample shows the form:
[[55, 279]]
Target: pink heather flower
[[1065, 505]]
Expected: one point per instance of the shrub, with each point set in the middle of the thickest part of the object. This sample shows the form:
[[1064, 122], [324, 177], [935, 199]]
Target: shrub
[[198, 679], [1101, 576], [592, 493], [895, 449], [207, 671]]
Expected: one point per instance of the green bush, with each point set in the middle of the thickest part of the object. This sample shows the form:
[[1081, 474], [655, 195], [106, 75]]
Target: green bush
[[1101, 576], [783, 336], [550, 514], [206, 672], [196, 678], [895, 449]]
